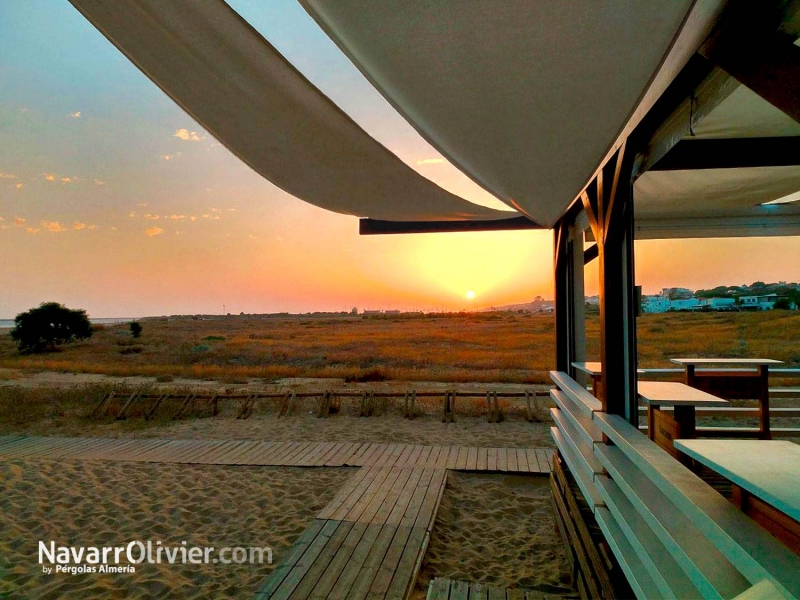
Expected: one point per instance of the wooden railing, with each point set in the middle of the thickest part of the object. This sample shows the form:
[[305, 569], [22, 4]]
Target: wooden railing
[[673, 535]]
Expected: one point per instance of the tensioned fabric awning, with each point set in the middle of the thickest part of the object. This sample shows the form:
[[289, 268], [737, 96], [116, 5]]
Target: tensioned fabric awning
[[525, 97], [237, 86]]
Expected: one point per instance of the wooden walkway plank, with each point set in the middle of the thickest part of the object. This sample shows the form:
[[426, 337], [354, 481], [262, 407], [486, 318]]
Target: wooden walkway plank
[[403, 457], [428, 456], [438, 589], [417, 498], [491, 459], [134, 453], [350, 457], [78, 448], [290, 459], [463, 454], [452, 458], [97, 445], [391, 456], [406, 568], [512, 459], [459, 590], [348, 574], [483, 459], [287, 458], [386, 508], [372, 565], [496, 593], [363, 453], [295, 552], [381, 496], [252, 456], [545, 457], [314, 573], [186, 448], [222, 454], [39, 447], [522, 461], [433, 497], [502, 461], [337, 564], [306, 561], [478, 591], [312, 454], [10, 440], [472, 459], [389, 565], [360, 492], [401, 504], [196, 452], [108, 451], [421, 460], [375, 488], [367, 458], [342, 494], [533, 461], [232, 457], [275, 455], [331, 456]]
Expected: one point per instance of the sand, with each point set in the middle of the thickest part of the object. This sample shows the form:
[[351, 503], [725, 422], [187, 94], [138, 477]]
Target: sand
[[515, 432], [96, 503], [498, 530]]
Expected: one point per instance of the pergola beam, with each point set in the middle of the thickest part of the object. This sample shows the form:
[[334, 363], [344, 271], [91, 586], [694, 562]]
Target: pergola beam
[[737, 153], [378, 227]]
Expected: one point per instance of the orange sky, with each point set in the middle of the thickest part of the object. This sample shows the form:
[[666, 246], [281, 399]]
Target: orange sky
[[114, 200]]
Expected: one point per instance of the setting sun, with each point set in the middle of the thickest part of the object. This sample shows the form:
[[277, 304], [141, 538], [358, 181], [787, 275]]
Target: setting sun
[[470, 295]]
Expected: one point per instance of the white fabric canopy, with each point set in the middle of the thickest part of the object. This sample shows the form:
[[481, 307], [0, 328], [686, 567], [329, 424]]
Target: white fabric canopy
[[236, 85], [525, 97]]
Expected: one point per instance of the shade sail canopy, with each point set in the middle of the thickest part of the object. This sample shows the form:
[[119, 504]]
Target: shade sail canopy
[[527, 98], [730, 202], [236, 85]]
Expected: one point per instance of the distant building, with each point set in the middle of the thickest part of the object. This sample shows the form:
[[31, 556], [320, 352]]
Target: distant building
[[655, 304], [720, 304], [684, 304], [766, 302], [593, 300]]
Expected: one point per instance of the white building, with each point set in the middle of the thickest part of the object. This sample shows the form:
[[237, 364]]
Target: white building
[[657, 303], [684, 304], [766, 302], [718, 304]]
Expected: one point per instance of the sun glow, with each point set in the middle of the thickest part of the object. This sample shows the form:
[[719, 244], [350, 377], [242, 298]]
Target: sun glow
[[470, 295]]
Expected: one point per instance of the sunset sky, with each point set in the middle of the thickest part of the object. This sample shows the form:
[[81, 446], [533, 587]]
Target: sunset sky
[[112, 199]]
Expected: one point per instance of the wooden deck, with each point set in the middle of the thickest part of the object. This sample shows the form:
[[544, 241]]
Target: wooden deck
[[368, 542], [280, 454], [454, 589]]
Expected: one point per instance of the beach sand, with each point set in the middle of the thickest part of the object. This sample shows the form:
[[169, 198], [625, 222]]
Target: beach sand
[[514, 432], [498, 530], [94, 503]]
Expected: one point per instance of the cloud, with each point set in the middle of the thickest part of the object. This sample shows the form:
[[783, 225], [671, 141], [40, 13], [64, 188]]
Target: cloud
[[170, 156], [69, 179], [216, 210], [53, 226], [19, 186], [186, 135], [99, 182], [131, 214], [150, 217], [76, 114], [19, 221], [31, 230], [50, 176], [431, 161], [153, 231], [113, 228], [193, 218], [90, 227], [77, 226], [252, 237], [212, 217], [4, 175], [142, 204], [233, 210], [176, 217], [1, 219]]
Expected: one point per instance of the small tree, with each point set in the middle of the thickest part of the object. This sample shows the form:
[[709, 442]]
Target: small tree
[[49, 325], [136, 329]]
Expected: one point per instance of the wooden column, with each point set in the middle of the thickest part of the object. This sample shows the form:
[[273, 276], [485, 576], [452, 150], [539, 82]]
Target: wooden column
[[608, 202], [562, 299], [569, 295]]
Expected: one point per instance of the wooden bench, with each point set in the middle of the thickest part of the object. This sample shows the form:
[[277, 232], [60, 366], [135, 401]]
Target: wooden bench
[[673, 535]]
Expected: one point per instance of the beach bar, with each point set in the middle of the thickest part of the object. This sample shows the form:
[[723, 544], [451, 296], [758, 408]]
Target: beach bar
[[607, 122]]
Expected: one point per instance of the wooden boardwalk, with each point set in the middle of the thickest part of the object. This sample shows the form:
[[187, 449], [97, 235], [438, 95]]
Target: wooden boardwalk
[[280, 454], [453, 589], [368, 542]]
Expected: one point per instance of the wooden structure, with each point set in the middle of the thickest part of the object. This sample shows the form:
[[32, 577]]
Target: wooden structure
[[281, 454], [734, 384], [664, 428], [764, 477], [454, 589]]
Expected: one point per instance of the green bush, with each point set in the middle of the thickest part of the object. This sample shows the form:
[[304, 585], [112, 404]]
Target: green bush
[[49, 325]]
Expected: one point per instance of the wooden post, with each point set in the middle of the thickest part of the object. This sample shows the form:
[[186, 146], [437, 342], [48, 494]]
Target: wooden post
[[763, 402]]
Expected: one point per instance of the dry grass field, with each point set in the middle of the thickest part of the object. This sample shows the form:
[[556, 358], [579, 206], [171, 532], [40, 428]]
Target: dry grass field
[[471, 347]]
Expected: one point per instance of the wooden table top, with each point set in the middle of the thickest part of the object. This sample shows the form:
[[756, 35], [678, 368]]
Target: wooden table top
[[725, 361], [670, 393], [590, 368], [767, 469]]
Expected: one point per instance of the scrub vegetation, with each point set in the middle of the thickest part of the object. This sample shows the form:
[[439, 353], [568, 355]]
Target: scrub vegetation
[[465, 347]]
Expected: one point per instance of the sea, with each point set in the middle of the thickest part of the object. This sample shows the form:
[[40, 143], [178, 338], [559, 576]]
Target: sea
[[105, 321]]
